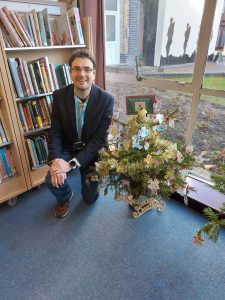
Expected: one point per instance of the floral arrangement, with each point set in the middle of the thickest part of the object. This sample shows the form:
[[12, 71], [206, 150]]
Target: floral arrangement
[[216, 220], [139, 165]]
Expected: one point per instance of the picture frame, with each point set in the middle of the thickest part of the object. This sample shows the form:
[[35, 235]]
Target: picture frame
[[135, 103]]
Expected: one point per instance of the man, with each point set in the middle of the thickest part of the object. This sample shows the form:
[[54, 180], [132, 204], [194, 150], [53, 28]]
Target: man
[[81, 115]]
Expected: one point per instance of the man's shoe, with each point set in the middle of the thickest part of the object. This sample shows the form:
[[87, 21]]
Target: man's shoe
[[62, 209]]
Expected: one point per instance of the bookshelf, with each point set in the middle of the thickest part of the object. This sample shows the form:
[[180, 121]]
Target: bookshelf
[[28, 175], [18, 180]]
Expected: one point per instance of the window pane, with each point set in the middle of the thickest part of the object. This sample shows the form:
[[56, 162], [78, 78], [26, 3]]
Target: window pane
[[111, 5], [209, 131], [166, 102], [215, 66], [158, 38], [110, 28]]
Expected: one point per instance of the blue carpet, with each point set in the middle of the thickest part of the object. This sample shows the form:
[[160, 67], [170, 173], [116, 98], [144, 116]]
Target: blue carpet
[[100, 252]]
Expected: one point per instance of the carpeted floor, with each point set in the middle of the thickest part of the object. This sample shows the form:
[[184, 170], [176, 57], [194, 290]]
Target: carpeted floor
[[100, 252]]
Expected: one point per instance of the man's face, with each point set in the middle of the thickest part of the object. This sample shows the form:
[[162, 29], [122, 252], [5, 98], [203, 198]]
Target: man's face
[[82, 73]]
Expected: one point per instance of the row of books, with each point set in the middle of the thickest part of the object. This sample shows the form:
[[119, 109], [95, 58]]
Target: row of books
[[37, 151], [38, 28], [35, 114], [4, 133], [37, 76], [7, 166]]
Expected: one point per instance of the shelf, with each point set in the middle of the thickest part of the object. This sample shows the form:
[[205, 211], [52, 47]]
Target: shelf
[[5, 144], [44, 48], [33, 97], [31, 132]]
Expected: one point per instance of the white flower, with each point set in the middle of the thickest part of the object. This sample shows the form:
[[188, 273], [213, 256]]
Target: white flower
[[179, 156]]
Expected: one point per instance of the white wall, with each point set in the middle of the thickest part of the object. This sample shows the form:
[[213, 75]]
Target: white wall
[[183, 12]]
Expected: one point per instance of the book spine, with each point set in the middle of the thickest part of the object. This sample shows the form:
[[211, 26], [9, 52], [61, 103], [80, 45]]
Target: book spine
[[42, 28], [26, 21], [54, 78], [47, 27], [5, 162], [22, 76], [27, 117], [37, 27], [33, 78], [36, 114], [15, 76], [10, 160], [27, 75], [45, 78], [35, 153], [22, 117], [31, 17], [32, 115], [4, 126], [2, 133]]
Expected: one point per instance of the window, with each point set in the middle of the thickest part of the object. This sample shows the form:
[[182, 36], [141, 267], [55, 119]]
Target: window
[[162, 50]]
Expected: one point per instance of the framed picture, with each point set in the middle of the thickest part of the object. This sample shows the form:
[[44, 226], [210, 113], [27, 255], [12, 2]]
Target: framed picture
[[135, 103]]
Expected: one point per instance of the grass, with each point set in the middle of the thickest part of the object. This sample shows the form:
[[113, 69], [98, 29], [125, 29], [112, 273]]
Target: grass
[[211, 82]]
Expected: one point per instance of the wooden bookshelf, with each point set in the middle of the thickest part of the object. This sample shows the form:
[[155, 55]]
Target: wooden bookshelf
[[26, 177], [17, 184]]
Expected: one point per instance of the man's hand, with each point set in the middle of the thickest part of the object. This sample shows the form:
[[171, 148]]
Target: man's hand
[[58, 170]]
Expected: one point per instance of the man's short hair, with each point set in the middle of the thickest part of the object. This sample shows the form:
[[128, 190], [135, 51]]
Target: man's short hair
[[83, 53]]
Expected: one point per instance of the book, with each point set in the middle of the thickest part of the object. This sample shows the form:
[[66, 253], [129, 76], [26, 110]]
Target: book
[[22, 77], [28, 78], [15, 76], [28, 117], [47, 27], [5, 162], [4, 126], [13, 20], [10, 160], [42, 28], [45, 78], [54, 31], [22, 117], [59, 75], [11, 30], [38, 75], [24, 31], [54, 78], [27, 23], [42, 112], [36, 27], [32, 152], [36, 114], [64, 30], [33, 78], [32, 114], [2, 169], [44, 61], [32, 23], [6, 36], [75, 23]]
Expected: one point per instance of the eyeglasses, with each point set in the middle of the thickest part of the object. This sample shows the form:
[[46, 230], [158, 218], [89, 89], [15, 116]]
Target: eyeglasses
[[86, 70]]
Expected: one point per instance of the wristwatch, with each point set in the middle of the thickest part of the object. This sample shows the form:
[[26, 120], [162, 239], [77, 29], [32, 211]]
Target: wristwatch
[[73, 163]]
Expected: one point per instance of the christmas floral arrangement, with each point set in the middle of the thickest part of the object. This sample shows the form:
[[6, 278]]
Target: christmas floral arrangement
[[216, 220], [139, 165]]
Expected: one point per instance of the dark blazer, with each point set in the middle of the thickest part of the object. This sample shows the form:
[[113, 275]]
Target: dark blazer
[[63, 131]]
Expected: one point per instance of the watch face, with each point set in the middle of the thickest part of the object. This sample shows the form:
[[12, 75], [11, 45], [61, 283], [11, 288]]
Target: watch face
[[72, 164]]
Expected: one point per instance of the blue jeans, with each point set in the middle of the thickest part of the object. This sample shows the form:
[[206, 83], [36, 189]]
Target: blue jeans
[[89, 189]]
